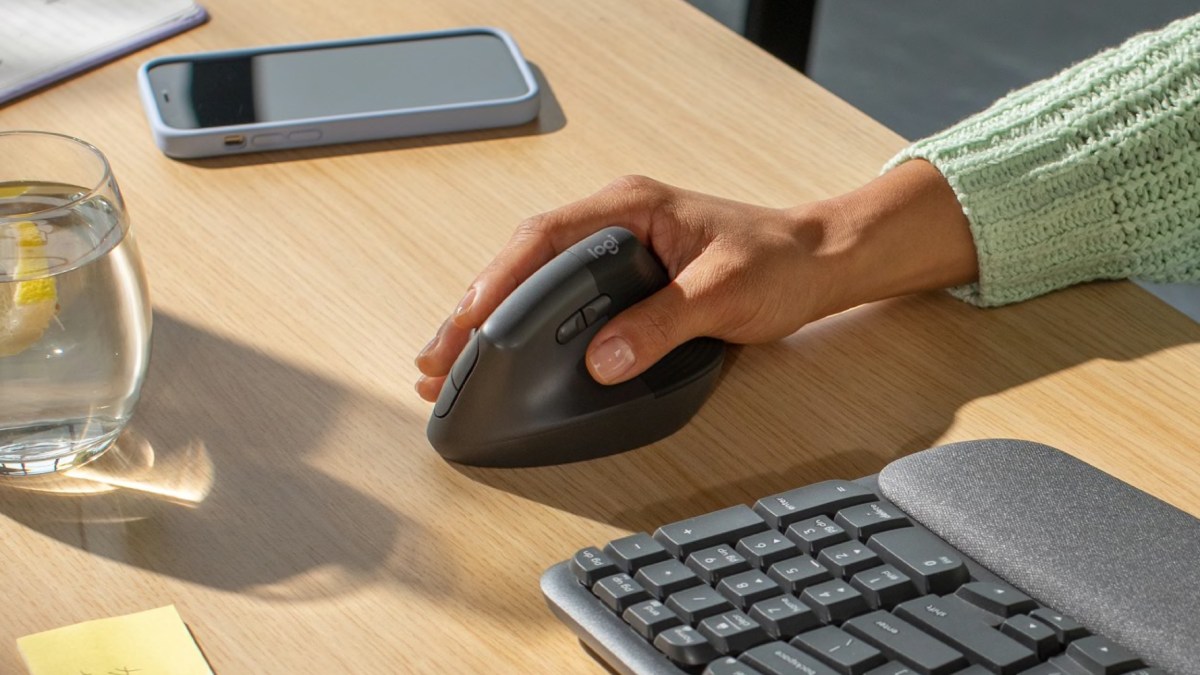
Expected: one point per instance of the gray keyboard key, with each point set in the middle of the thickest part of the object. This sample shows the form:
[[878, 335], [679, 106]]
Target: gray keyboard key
[[685, 646], [666, 577], [864, 520], [796, 574], [848, 558], [1100, 656], [649, 618], [784, 617], [965, 632], [780, 658], [1033, 634], [846, 653], [619, 592], [729, 666], [1066, 628], [636, 550], [767, 548], [732, 632], [1045, 669], [697, 603], [825, 498], [996, 598], [834, 601], [900, 640], [719, 527], [884, 587], [927, 560], [814, 534], [892, 668], [716, 563], [747, 588], [590, 565]]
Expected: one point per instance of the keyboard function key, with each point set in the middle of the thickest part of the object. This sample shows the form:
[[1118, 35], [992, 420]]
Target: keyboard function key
[[784, 617], [1100, 656], [590, 565], [766, 548], [796, 574], [997, 598], [635, 551], [716, 563], [884, 587], [846, 653], [928, 561], [834, 601], [619, 592], [719, 527], [649, 618], [732, 632], [825, 498], [848, 558], [814, 534], [698, 603], [685, 646], [666, 577], [864, 520], [747, 588]]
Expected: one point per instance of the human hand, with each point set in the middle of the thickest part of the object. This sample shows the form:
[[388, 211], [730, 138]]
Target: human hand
[[740, 272]]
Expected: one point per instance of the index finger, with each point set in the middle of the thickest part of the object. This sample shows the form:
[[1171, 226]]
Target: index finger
[[627, 201]]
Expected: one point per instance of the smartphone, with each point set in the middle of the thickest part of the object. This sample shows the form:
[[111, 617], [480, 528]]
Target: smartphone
[[289, 96]]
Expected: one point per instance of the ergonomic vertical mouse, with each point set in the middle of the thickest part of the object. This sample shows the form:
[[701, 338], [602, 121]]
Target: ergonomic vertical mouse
[[520, 393]]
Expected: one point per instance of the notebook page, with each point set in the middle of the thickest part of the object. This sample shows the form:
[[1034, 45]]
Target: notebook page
[[43, 39]]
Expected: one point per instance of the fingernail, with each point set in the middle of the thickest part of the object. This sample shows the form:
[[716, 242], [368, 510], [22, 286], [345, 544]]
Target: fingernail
[[465, 304], [426, 349], [611, 359]]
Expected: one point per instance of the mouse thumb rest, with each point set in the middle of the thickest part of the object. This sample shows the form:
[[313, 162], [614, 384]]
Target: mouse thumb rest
[[519, 394]]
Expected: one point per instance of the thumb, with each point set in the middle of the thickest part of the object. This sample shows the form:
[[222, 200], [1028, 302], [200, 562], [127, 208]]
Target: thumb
[[638, 337]]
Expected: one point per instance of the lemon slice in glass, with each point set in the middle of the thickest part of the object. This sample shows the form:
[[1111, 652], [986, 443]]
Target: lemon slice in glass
[[28, 304]]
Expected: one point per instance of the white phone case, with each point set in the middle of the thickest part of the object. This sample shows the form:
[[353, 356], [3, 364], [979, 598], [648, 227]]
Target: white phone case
[[242, 138]]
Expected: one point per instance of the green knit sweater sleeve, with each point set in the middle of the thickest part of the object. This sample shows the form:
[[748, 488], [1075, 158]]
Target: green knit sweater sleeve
[[1090, 174]]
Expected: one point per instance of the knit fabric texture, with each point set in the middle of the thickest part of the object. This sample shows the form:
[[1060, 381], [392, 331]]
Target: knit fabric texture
[[1090, 174]]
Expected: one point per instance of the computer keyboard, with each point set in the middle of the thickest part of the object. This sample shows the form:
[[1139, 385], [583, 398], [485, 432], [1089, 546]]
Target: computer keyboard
[[826, 579]]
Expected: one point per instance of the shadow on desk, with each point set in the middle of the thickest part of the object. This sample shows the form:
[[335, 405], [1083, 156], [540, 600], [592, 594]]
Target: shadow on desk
[[550, 119], [845, 396], [215, 482]]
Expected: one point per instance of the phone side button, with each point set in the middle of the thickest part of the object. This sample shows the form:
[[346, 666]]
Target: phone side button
[[306, 136], [264, 140]]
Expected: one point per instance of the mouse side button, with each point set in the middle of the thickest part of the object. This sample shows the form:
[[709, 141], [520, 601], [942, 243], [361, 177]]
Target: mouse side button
[[570, 328], [596, 309], [465, 362]]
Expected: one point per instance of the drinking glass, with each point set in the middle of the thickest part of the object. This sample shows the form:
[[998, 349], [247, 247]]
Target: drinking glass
[[74, 310]]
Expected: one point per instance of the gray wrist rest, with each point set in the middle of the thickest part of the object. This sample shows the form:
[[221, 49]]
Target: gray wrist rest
[[1121, 562]]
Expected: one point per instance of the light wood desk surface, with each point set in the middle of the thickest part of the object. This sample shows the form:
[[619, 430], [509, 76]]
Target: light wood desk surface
[[294, 511]]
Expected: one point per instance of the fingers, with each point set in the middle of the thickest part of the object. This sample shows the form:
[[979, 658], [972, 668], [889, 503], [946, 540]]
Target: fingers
[[638, 337], [628, 201], [435, 359], [428, 388]]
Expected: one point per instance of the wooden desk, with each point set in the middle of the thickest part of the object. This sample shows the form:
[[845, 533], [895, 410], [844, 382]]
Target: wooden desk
[[293, 510]]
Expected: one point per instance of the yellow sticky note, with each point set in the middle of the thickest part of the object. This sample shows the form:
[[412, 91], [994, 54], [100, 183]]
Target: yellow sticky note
[[154, 642]]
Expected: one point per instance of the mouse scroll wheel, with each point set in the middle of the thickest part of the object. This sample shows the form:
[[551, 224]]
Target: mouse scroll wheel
[[577, 322]]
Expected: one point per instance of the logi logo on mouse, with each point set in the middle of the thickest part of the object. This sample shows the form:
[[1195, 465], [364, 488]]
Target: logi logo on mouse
[[609, 245]]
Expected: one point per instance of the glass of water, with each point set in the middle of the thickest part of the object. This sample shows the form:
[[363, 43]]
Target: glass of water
[[74, 311]]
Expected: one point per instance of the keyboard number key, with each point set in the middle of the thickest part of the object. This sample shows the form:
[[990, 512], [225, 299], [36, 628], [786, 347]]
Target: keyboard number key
[[834, 601], [685, 646], [732, 632], [1100, 656], [784, 617], [884, 587], [713, 564], [590, 565], [619, 592], [814, 534], [747, 588], [649, 618]]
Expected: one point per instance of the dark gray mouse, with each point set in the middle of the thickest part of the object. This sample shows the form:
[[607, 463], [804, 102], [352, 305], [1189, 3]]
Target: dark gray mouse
[[520, 393]]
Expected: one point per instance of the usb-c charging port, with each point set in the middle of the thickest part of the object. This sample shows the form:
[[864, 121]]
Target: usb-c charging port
[[235, 141]]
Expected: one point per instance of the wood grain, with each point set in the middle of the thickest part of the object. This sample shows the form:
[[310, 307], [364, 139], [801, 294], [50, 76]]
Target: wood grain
[[278, 485]]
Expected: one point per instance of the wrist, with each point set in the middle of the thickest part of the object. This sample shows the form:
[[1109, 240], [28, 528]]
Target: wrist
[[903, 232]]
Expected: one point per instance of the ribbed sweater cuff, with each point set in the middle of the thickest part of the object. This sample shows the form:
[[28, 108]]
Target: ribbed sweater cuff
[[1091, 174]]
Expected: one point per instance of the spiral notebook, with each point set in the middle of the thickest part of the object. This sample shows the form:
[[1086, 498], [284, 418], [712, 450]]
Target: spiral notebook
[[43, 41]]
